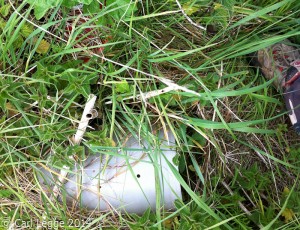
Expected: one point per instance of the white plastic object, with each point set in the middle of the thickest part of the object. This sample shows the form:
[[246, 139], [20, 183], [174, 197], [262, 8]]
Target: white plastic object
[[127, 182]]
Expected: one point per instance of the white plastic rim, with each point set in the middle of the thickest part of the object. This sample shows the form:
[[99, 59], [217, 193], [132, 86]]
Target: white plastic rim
[[130, 182]]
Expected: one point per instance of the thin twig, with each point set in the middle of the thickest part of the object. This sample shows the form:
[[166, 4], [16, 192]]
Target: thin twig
[[149, 94], [240, 203], [248, 213], [188, 18]]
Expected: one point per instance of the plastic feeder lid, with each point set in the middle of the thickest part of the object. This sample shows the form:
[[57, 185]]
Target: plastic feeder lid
[[128, 181]]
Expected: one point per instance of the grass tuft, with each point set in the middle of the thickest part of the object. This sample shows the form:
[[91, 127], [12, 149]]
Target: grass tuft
[[173, 65]]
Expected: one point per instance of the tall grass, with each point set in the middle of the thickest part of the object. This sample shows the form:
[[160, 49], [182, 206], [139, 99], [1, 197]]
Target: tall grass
[[237, 154]]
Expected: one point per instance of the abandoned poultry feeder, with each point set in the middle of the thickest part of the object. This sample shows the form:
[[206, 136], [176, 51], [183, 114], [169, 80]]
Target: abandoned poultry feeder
[[129, 182]]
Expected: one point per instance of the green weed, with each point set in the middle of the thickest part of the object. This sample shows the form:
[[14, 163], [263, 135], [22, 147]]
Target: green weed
[[151, 66]]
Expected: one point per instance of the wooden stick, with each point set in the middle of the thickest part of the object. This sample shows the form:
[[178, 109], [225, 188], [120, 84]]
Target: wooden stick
[[188, 18]]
